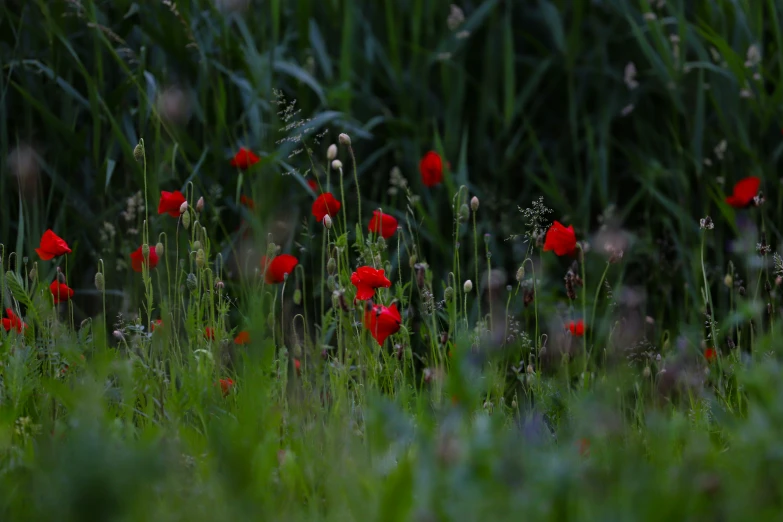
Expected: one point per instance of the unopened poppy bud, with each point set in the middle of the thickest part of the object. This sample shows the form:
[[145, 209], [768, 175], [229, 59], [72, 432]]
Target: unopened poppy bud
[[219, 284], [60, 277], [186, 220], [487, 238], [138, 152], [25, 260], [145, 251], [778, 280], [474, 203], [344, 139], [331, 152], [380, 243], [337, 164], [201, 258], [412, 260], [467, 287], [330, 283], [183, 207], [297, 297], [200, 204], [520, 273], [196, 245], [159, 249], [34, 272], [100, 283], [118, 335], [464, 213], [331, 266], [448, 293], [327, 221], [191, 282]]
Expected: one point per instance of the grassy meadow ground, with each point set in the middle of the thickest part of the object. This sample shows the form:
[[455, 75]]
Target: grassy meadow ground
[[575, 205]]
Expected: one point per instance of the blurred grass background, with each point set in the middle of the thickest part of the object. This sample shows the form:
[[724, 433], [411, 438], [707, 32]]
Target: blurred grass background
[[638, 113]]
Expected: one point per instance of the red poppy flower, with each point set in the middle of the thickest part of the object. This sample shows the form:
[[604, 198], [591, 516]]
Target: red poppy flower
[[744, 191], [157, 323], [60, 292], [382, 224], [226, 385], [244, 159], [13, 322], [431, 168], [577, 328], [382, 321], [560, 239], [52, 246], [170, 202], [138, 261], [325, 205], [710, 354], [298, 366], [248, 202], [313, 184], [209, 333], [366, 279], [280, 266], [242, 337]]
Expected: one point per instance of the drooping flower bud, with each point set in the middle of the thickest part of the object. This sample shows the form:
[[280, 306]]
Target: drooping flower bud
[[191, 282], [200, 204], [337, 164], [138, 152], [201, 258], [464, 213], [183, 207], [100, 283], [520, 273], [186, 220], [196, 245], [344, 139], [159, 249], [327, 221], [331, 152], [297, 297], [468, 286], [331, 266], [220, 284], [448, 293], [474, 203]]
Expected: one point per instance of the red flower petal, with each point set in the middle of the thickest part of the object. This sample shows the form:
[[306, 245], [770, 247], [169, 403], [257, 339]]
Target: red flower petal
[[431, 169], [577, 328], [382, 321], [382, 224], [155, 324], [560, 239], [226, 385], [248, 202], [276, 270], [744, 191], [52, 246], [313, 184], [242, 337], [60, 292], [137, 259], [244, 159], [209, 333], [366, 279], [710, 354], [13, 322], [170, 202], [325, 205]]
